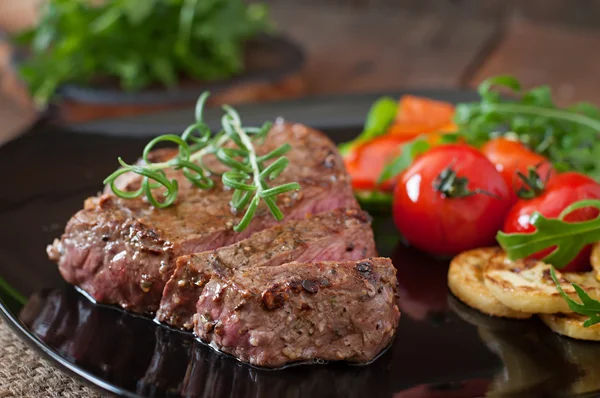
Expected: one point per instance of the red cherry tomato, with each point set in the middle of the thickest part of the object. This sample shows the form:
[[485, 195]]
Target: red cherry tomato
[[562, 190], [366, 162], [511, 156], [449, 200]]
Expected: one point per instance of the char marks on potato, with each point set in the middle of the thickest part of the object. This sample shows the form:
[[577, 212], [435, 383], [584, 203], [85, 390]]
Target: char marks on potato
[[526, 285], [465, 279], [571, 325]]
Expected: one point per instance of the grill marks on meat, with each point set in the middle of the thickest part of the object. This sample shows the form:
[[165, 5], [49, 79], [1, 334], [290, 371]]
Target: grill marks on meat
[[266, 295], [330, 310], [341, 235], [123, 251]]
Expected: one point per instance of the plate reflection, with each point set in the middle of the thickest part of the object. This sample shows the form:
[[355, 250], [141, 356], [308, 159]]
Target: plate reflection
[[134, 353]]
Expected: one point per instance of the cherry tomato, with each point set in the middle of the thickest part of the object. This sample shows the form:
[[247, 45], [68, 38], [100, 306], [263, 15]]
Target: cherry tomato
[[449, 200], [511, 157], [366, 162], [418, 115], [562, 190]]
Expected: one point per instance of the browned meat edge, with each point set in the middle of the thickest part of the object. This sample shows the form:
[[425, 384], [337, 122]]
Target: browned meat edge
[[340, 235], [269, 316]]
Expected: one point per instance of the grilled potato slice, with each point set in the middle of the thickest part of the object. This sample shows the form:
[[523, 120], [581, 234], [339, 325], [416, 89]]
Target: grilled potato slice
[[465, 279], [595, 259], [526, 285], [571, 325]]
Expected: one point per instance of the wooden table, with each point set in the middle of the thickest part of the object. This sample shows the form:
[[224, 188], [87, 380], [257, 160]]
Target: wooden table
[[361, 48]]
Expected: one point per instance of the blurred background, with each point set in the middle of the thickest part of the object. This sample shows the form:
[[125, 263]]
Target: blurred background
[[133, 61]]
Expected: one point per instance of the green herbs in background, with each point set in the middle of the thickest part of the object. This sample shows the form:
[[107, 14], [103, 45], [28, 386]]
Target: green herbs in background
[[588, 307], [233, 146], [569, 137], [137, 43]]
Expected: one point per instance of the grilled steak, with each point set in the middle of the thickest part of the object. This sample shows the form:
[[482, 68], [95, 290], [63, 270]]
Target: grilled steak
[[123, 251], [340, 235], [269, 316]]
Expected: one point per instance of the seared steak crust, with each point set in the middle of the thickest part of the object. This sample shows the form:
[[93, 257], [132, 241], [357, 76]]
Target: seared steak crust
[[123, 251], [269, 316], [340, 234]]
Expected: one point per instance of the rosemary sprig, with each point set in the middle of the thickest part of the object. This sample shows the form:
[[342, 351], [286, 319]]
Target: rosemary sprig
[[12, 292], [233, 147], [254, 165]]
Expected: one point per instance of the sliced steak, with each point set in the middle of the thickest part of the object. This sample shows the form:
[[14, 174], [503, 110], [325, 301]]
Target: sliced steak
[[269, 316], [337, 235], [123, 251]]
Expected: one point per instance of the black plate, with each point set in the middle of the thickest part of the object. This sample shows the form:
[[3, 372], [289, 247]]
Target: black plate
[[442, 349]]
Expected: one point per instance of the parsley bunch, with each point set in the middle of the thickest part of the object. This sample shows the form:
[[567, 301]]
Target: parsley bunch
[[137, 42]]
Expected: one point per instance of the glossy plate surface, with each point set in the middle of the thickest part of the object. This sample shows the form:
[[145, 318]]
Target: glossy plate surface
[[442, 349]]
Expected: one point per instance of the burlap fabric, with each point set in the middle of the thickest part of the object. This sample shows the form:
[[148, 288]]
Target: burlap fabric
[[23, 374]]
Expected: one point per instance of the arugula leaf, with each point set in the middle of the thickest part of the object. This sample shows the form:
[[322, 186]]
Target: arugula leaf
[[408, 154], [380, 117], [568, 237], [485, 88], [138, 10], [588, 307]]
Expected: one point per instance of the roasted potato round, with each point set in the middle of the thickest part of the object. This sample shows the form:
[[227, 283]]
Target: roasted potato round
[[571, 325], [465, 279], [526, 285]]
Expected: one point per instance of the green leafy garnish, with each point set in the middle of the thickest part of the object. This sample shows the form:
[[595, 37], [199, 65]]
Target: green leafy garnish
[[569, 137], [409, 153], [568, 238], [588, 307], [12, 292], [248, 173], [380, 117], [375, 202], [137, 43]]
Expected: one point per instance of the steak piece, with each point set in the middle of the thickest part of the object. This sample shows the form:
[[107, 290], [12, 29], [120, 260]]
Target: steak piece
[[123, 251], [269, 316], [340, 235]]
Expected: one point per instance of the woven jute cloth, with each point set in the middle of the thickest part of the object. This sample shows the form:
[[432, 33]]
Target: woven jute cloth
[[23, 374]]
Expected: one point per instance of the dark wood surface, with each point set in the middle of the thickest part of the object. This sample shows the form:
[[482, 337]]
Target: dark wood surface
[[370, 45]]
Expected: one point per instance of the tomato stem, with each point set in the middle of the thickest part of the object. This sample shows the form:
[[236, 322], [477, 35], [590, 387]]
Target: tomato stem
[[533, 185], [450, 185]]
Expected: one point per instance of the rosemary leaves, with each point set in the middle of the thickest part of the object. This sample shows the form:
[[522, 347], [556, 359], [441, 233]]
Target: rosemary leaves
[[248, 173]]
